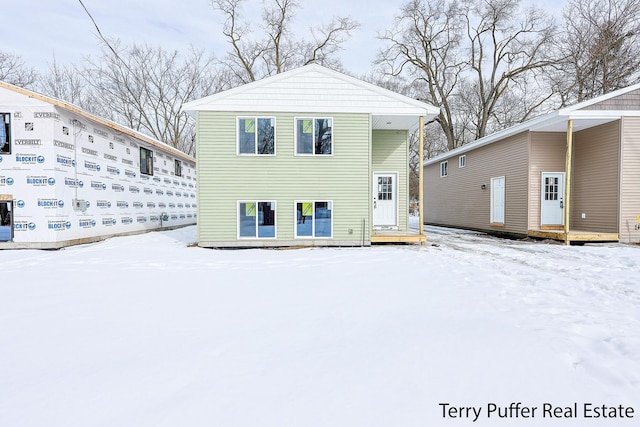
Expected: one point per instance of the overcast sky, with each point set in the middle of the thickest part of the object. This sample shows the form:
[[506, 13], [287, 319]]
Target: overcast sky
[[39, 29]]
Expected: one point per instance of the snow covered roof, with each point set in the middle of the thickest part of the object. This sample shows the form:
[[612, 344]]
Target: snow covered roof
[[582, 114], [317, 89]]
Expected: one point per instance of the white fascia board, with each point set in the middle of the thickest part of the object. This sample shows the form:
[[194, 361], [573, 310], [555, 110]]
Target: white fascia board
[[602, 114], [317, 107]]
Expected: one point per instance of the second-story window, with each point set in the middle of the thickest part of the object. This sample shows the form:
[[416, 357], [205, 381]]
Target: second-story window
[[257, 135], [314, 136]]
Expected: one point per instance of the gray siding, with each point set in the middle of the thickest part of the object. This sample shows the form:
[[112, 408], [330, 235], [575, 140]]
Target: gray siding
[[547, 155], [627, 101], [594, 186], [224, 178], [390, 154], [458, 200], [630, 180]]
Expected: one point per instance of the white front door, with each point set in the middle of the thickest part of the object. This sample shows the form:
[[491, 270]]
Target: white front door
[[552, 199], [385, 200], [497, 200]]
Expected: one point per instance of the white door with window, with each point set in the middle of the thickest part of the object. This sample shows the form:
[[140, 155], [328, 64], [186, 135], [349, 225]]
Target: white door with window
[[497, 200], [385, 200], [552, 199]]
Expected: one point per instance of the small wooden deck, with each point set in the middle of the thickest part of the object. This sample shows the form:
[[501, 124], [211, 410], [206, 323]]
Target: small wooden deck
[[395, 236], [575, 236]]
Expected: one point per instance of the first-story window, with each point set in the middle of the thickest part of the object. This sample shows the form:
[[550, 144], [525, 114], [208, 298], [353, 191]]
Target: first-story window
[[256, 219], [256, 135], [314, 219], [444, 168], [462, 161], [146, 161], [177, 167], [314, 136], [5, 133]]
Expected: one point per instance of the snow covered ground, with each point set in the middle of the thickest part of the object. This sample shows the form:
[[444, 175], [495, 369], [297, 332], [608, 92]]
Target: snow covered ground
[[146, 331]]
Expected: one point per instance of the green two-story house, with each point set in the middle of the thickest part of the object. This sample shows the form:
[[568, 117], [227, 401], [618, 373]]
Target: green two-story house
[[309, 157]]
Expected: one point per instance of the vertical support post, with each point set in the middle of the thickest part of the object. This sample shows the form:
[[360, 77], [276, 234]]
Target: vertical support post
[[421, 173], [567, 184]]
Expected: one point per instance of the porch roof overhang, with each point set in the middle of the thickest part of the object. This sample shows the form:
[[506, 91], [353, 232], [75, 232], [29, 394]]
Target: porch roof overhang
[[555, 121], [582, 120], [583, 116]]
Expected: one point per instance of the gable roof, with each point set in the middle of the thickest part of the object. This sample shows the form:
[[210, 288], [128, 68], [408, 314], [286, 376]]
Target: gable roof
[[113, 125], [317, 89], [584, 115]]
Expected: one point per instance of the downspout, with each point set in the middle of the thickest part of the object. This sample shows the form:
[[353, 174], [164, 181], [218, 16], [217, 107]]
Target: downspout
[[567, 185], [420, 175]]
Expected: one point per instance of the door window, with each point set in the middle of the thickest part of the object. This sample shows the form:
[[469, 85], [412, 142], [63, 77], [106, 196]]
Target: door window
[[385, 188], [551, 188]]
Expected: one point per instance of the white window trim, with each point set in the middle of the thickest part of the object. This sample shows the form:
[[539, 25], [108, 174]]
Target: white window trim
[[275, 220], [313, 154], [446, 164], [462, 161], [255, 148], [313, 224]]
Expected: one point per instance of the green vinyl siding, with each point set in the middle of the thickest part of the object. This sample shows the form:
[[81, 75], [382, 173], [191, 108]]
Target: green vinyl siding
[[225, 178], [390, 154]]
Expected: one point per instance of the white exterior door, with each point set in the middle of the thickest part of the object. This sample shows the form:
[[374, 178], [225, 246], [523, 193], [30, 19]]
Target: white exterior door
[[385, 200], [497, 200], [552, 199]]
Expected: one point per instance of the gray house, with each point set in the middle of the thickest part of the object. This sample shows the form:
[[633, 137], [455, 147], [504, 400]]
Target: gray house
[[572, 175], [306, 157]]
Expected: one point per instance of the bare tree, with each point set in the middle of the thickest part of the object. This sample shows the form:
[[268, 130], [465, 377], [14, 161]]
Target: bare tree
[[144, 88], [426, 44], [66, 83], [14, 71], [599, 49], [508, 45], [254, 57], [466, 56]]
